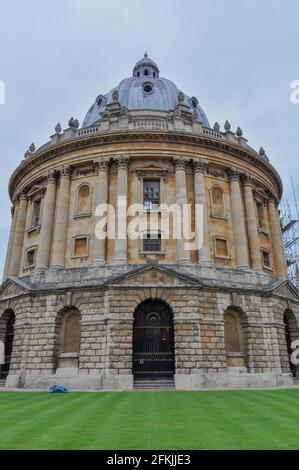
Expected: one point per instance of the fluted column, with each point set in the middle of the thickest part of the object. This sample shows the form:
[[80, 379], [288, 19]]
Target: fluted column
[[204, 255], [240, 237], [276, 236], [101, 197], [251, 220], [62, 216], [45, 237], [183, 256], [121, 244]]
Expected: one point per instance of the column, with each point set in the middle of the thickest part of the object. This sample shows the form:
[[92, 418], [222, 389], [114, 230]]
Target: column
[[62, 216], [45, 236], [183, 256], [17, 247], [121, 244], [253, 235], [240, 238], [204, 255], [14, 213], [101, 197], [276, 236]]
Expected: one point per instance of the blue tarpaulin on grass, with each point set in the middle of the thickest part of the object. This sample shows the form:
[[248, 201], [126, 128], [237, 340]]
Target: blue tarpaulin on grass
[[58, 389]]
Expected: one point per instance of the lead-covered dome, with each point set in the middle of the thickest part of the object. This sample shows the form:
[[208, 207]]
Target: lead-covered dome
[[144, 91]]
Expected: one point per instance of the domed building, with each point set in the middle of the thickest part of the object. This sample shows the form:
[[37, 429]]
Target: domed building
[[85, 304]]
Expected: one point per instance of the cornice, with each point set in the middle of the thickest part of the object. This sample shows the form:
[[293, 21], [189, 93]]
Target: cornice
[[47, 153]]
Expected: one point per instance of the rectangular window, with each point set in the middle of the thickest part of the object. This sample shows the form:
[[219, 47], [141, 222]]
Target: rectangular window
[[151, 194], [221, 247], [266, 259], [80, 249], [260, 214], [30, 258], [36, 209], [152, 243]]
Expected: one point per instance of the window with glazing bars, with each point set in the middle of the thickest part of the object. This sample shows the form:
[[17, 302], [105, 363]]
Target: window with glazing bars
[[151, 194], [152, 243]]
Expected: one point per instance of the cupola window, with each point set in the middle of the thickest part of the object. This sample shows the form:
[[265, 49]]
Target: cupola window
[[146, 73], [147, 88]]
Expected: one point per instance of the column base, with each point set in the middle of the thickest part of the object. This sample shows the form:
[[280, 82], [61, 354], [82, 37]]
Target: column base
[[97, 262], [204, 263], [119, 262], [184, 261], [57, 266]]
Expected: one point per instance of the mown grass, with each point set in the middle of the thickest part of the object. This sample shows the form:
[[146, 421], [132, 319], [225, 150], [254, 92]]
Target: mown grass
[[258, 419]]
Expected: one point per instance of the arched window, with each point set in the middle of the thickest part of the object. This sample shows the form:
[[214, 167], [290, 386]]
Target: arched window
[[146, 72], [68, 330], [84, 200], [217, 202], [234, 338]]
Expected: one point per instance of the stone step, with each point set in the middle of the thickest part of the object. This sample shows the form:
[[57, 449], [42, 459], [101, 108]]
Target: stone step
[[2, 382], [296, 380], [154, 384]]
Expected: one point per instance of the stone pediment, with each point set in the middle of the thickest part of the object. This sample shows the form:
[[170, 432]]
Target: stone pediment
[[286, 289], [151, 166], [13, 288], [153, 276]]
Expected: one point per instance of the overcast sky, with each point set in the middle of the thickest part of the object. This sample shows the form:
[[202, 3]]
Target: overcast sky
[[237, 57]]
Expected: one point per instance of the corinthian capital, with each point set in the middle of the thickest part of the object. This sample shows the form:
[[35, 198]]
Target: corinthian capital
[[102, 164], [51, 176], [233, 174], [66, 171], [179, 163], [199, 166], [247, 180], [123, 161]]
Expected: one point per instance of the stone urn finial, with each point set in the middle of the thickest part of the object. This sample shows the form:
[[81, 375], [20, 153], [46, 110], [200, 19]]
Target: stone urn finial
[[181, 97], [32, 148], [216, 126], [58, 128], [115, 95], [239, 132], [227, 126]]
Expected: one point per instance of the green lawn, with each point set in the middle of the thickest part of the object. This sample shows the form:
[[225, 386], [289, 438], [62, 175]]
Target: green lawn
[[150, 420]]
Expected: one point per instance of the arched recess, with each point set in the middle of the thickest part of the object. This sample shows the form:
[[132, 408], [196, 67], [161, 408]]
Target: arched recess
[[83, 200], [235, 337], [217, 201], [7, 323], [291, 332], [153, 340], [67, 338]]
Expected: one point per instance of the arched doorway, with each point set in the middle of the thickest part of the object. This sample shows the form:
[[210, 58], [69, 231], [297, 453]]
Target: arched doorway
[[291, 334], [153, 340], [9, 319]]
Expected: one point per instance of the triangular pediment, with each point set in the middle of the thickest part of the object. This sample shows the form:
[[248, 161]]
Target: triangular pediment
[[152, 167], [153, 276], [36, 189], [13, 287], [286, 289]]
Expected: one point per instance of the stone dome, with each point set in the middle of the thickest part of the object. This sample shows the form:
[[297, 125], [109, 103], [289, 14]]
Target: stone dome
[[145, 91]]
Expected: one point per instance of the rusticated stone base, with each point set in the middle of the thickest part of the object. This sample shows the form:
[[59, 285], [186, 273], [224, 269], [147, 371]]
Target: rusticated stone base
[[107, 304]]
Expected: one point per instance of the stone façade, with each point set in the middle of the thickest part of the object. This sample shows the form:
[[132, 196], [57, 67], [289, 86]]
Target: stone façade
[[107, 300]]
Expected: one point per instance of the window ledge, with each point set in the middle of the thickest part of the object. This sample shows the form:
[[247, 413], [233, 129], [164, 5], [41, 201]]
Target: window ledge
[[68, 355], [235, 354], [264, 232], [268, 268], [33, 229], [222, 257], [160, 253], [80, 216], [29, 268], [221, 217], [80, 257]]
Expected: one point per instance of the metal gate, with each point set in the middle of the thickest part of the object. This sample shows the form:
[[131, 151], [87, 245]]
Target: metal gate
[[153, 340]]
